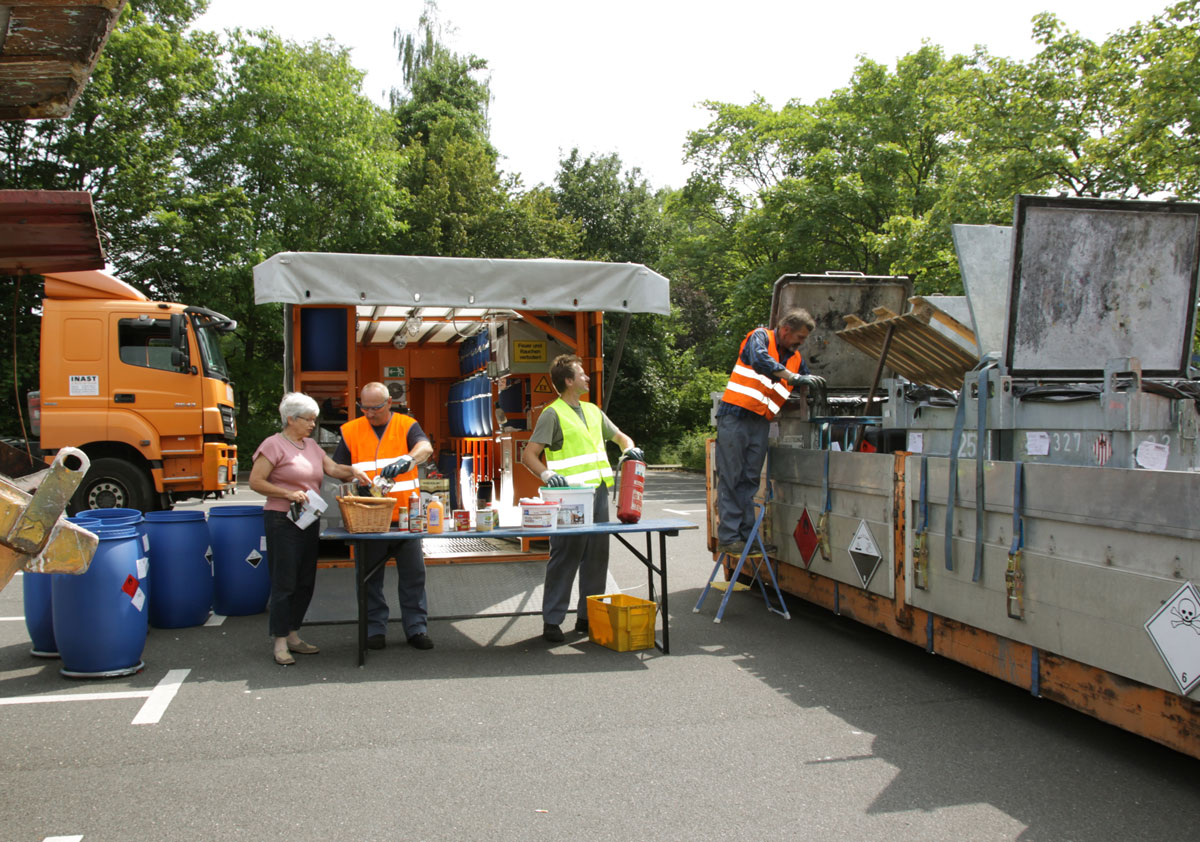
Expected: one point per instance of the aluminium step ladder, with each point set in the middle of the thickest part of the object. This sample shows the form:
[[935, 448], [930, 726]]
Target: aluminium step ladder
[[756, 552]]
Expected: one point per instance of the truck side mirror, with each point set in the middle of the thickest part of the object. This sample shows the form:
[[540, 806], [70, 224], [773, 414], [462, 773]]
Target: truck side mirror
[[179, 356]]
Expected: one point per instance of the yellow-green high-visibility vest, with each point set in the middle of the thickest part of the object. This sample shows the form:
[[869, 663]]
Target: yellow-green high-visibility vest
[[582, 459]]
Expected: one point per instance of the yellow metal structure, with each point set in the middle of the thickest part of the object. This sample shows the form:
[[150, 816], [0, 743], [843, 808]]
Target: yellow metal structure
[[35, 536]]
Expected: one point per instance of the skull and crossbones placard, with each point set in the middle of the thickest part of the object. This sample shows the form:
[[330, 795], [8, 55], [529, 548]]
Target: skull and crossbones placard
[[1175, 630]]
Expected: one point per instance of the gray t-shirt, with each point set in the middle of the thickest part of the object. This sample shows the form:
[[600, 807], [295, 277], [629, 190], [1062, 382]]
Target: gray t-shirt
[[548, 431]]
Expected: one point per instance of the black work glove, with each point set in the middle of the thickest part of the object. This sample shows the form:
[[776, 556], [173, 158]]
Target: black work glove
[[810, 380], [555, 481], [401, 466], [634, 453]]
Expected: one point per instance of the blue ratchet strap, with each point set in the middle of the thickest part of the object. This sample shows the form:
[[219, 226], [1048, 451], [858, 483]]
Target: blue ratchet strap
[[980, 441], [1018, 541], [960, 417], [823, 520], [825, 485], [1014, 576], [924, 496], [920, 540]]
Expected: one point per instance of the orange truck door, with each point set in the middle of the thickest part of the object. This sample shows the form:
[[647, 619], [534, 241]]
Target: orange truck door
[[146, 380]]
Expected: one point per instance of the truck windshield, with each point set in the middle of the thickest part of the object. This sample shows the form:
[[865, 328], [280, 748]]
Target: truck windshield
[[207, 329]]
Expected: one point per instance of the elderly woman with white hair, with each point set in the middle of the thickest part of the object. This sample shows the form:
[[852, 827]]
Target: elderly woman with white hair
[[286, 467]]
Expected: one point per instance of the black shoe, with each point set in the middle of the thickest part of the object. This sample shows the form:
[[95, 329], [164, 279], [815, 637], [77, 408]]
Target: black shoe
[[420, 641], [770, 548], [376, 641], [581, 626], [733, 548], [552, 633]]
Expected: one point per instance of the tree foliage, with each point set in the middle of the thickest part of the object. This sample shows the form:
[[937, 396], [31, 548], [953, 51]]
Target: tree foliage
[[206, 154]]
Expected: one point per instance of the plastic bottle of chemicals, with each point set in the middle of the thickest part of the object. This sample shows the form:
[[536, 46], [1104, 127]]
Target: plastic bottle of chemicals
[[435, 515]]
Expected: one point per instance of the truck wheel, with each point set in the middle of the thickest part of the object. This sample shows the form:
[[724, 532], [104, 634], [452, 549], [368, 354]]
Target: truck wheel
[[113, 483]]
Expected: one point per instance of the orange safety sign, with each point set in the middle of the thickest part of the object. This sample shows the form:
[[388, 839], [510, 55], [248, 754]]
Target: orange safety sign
[[543, 385]]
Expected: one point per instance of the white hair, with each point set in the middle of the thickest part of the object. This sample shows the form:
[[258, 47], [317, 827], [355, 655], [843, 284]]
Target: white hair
[[295, 404]]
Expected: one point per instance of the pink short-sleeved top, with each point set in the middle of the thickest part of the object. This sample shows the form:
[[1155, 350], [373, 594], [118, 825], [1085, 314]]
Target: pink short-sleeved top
[[293, 468]]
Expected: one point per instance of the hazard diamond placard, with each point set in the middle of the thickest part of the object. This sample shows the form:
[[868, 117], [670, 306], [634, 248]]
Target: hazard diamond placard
[[806, 537], [864, 552], [1175, 630]]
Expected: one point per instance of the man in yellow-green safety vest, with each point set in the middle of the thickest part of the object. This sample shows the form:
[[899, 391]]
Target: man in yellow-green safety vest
[[569, 436]]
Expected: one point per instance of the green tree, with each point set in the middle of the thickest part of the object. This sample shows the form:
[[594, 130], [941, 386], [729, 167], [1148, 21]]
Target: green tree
[[462, 204], [289, 155], [122, 142]]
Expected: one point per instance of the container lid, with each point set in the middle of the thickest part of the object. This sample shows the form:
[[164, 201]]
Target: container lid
[[1101, 279], [828, 298]]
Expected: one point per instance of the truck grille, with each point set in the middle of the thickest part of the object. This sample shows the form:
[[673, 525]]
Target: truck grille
[[228, 422]]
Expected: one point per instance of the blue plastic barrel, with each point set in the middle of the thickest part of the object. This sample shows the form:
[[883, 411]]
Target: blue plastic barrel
[[39, 615], [485, 404], [181, 566], [472, 404], [457, 413], [39, 618], [323, 339], [100, 615], [241, 581], [128, 517]]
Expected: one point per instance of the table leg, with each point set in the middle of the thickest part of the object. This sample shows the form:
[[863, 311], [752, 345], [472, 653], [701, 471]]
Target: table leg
[[360, 589], [666, 617]]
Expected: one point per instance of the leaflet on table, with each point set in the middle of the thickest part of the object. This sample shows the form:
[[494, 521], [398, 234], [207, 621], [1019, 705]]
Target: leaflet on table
[[306, 515]]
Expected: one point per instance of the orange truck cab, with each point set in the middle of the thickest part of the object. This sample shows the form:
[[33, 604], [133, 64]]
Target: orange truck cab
[[463, 344], [141, 387]]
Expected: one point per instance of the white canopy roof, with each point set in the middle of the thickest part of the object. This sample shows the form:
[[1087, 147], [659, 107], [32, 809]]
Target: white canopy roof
[[376, 279]]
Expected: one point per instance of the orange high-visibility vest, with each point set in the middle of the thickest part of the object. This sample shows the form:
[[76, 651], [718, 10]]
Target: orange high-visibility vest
[[757, 392], [371, 454]]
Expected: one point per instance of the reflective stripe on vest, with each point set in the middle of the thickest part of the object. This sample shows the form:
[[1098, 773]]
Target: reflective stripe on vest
[[757, 392], [582, 458], [371, 454]]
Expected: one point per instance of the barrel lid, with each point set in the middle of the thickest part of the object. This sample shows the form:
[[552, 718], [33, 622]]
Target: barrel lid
[[169, 516], [234, 511]]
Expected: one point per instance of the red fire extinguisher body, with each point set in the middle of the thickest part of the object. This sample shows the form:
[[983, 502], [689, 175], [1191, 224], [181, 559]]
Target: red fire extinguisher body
[[631, 484]]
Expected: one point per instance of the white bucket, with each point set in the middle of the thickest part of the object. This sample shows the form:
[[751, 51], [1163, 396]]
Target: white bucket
[[574, 504], [537, 514]]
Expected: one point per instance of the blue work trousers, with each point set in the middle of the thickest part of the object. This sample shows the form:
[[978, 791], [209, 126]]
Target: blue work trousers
[[410, 585], [741, 451]]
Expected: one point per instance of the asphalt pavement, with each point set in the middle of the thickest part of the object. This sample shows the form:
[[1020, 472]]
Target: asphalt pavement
[[757, 728]]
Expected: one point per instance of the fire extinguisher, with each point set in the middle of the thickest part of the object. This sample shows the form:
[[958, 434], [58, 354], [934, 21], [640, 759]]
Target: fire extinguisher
[[630, 485]]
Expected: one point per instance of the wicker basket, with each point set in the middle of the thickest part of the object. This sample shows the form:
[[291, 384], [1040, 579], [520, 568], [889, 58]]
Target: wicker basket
[[366, 514]]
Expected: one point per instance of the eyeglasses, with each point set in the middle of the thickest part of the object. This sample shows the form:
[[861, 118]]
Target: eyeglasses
[[373, 408]]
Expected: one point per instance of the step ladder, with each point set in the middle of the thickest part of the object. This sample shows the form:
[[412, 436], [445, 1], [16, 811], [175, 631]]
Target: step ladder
[[755, 552]]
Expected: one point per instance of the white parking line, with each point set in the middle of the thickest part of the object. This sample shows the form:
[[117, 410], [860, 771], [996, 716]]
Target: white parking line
[[677, 512], [149, 714], [215, 620], [160, 697], [63, 838], [12, 619], [76, 697]]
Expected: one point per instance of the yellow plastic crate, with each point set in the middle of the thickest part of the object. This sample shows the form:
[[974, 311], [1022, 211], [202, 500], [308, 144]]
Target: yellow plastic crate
[[621, 622]]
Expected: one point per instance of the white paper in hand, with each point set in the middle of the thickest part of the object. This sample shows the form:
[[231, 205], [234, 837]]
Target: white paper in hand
[[311, 511]]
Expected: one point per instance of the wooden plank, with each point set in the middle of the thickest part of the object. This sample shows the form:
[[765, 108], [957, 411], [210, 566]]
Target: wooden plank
[[917, 351]]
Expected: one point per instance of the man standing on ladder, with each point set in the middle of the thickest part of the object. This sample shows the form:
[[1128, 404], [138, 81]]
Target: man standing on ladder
[[768, 366], [572, 433]]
